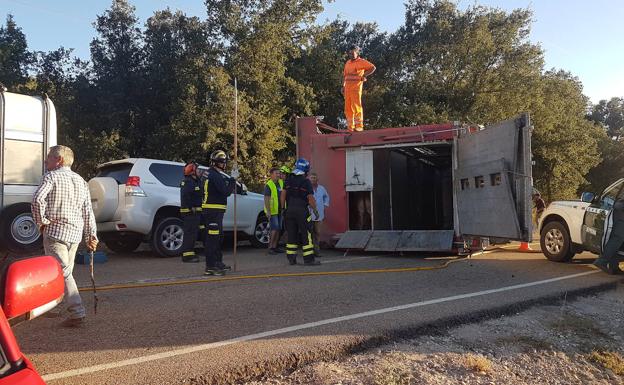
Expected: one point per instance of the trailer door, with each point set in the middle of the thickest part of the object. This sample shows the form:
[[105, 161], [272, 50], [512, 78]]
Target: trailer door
[[493, 182]]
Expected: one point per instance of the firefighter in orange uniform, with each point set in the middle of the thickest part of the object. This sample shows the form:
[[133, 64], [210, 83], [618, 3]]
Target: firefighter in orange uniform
[[356, 70]]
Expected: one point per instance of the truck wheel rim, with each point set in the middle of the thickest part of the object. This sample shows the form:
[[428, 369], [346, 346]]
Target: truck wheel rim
[[554, 241], [24, 230], [263, 235], [172, 237]]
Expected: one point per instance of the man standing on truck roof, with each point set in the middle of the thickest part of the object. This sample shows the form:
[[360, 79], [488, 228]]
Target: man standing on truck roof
[[61, 208], [608, 260], [218, 186], [191, 195], [356, 70], [297, 196]]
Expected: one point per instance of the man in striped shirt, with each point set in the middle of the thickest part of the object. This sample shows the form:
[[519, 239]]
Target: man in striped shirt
[[61, 207]]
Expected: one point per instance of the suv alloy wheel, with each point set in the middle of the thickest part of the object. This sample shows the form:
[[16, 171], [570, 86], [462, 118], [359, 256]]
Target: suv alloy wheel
[[167, 237]]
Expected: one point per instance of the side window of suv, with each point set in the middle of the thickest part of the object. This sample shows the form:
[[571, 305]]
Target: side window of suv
[[609, 197], [168, 174]]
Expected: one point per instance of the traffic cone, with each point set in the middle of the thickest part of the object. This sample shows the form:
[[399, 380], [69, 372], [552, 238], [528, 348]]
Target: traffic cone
[[524, 246]]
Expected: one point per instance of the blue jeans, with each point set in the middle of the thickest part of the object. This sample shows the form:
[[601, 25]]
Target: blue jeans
[[276, 223]]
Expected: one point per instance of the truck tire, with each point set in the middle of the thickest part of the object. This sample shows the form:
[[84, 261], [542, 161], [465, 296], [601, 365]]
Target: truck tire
[[167, 237], [555, 242], [262, 233], [125, 244], [18, 231]]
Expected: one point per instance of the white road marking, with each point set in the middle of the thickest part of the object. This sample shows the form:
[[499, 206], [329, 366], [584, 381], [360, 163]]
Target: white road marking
[[290, 329]]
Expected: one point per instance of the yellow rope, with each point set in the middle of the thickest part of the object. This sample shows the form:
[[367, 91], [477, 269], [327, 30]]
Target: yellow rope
[[266, 276]]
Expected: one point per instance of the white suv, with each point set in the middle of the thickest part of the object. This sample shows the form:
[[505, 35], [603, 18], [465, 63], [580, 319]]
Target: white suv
[[137, 200]]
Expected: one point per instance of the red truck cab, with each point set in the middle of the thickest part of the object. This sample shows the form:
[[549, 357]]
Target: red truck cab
[[31, 287]]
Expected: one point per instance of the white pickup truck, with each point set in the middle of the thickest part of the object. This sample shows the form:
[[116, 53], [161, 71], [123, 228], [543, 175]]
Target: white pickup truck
[[571, 227]]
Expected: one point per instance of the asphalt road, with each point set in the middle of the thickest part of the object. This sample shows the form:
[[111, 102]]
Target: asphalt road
[[222, 331]]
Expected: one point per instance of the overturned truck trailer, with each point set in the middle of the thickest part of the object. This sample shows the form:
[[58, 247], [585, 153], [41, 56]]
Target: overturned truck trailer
[[422, 188]]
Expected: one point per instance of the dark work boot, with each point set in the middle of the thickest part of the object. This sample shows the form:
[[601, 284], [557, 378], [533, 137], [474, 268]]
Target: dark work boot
[[609, 267], [292, 260], [214, 271], [223, 266]]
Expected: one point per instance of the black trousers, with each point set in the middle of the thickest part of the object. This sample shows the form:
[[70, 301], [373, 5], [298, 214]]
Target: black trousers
[[213, 237], [616, 239], [191, 227], [298, 226]]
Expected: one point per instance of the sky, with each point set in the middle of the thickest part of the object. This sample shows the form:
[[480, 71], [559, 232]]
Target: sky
[[584, 37]]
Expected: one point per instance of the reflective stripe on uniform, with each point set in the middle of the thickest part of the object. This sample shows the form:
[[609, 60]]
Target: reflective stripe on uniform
[[292, 246], [213, 232], [214, 206], [205, 192], [291, 252], [201, 227], [306, 253], [185, 210], [308, 247], [188, 253]]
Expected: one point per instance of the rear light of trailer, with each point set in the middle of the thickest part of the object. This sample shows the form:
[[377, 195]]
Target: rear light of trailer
[[133, 187]]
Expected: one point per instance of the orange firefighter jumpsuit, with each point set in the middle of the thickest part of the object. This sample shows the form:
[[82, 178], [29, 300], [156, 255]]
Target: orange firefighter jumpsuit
[[353, 81]]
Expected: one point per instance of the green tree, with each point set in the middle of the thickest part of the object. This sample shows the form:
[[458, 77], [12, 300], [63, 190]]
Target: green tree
[[178, 58], [475, 65], [258, 39], [610, 115], [117, 69], [15, 59], [610, 168], [564, 142]]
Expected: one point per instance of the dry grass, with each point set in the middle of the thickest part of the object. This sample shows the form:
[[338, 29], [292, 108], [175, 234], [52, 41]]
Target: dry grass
[[391, 373], [610, 360], [478, 363]]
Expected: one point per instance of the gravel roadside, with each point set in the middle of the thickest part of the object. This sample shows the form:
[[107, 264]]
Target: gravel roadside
[[578, 342]]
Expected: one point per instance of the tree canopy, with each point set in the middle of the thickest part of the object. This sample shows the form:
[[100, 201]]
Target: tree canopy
[[164, 87]]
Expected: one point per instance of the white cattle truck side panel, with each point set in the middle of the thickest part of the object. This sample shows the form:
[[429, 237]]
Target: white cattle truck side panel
[[27, 130]]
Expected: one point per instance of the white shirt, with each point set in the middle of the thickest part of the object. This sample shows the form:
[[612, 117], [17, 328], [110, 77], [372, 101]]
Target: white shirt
[[322, 200]]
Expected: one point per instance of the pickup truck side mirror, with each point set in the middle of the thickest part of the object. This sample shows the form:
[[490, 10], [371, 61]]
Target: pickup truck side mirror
[[32, 287], [588, 197]]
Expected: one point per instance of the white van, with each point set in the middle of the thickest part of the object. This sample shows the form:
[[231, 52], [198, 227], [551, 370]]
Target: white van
[[27, 131]]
